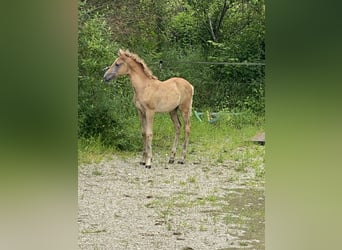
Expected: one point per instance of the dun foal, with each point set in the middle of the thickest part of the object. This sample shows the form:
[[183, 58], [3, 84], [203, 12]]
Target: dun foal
[[151, 96]]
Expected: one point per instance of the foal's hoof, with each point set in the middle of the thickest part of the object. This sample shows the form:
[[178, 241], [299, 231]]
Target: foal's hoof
[[142, 163], [180, 162], [171, 161], [148, 166]]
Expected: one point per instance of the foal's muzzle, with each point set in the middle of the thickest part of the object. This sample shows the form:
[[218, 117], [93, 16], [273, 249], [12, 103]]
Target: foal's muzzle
[[108, 76], [106, 79]]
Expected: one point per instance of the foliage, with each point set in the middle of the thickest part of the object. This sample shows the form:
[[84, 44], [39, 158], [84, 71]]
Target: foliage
[[102, 109], [182, 29]]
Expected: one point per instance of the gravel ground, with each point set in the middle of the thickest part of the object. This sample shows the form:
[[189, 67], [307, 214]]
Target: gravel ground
[[197, 205]]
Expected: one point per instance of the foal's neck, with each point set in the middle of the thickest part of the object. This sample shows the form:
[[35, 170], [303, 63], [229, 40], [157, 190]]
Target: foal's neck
[[139, 79]]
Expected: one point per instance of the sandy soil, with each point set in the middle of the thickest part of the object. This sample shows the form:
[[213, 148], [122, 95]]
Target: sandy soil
[[198, 205]]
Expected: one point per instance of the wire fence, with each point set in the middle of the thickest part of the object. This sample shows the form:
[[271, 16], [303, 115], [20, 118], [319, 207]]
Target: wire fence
[[162, 62], [164, 65]]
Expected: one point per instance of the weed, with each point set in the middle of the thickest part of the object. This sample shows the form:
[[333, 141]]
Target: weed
[[212, 198], [203, 228], [220, 159], [201, 202], [192, 179], [97, 172], [243, 243], [182, 183]]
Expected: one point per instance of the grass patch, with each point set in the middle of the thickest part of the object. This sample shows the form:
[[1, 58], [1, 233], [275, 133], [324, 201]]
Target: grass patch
[[247, 209], [91, 150], [219, 142], [96, 172]]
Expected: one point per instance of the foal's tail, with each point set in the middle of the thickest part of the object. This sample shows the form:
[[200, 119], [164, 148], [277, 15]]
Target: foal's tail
[[190, 99]]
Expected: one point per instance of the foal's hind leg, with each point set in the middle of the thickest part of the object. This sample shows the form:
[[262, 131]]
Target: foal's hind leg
[[187, 126], [177, 125]]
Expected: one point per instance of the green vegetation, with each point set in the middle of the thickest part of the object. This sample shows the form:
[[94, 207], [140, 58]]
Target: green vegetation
[[222, 141], [197, 40]]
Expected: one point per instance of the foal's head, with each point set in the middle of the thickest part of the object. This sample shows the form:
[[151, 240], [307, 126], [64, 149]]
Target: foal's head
[[118, 68]]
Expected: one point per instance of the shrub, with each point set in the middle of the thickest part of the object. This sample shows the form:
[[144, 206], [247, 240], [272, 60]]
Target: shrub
[[104, 110]]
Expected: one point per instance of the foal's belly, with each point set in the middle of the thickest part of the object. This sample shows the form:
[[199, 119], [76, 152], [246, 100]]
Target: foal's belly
[[163, 100], [167, 104]]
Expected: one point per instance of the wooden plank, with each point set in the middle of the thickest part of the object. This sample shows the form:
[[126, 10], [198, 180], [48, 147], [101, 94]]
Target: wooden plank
[[259, 138]]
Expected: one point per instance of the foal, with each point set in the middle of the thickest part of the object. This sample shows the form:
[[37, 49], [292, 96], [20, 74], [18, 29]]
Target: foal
[[151, 96]]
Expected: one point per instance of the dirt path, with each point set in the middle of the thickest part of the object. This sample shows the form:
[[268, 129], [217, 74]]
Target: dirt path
[[194, 206]]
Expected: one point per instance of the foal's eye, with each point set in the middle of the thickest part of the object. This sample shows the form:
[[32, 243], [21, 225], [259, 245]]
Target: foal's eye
[[117, 65]]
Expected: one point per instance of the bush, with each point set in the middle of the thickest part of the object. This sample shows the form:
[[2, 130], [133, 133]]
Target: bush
[[104, 111]]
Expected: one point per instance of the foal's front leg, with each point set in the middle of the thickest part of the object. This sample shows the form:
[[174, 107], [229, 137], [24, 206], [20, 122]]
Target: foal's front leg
[[149, 137], [142, 117]]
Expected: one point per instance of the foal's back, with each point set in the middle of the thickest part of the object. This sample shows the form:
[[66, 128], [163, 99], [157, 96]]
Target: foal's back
[[184, 87]]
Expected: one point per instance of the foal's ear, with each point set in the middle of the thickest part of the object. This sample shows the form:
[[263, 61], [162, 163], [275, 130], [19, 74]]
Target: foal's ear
[[120, 52]]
